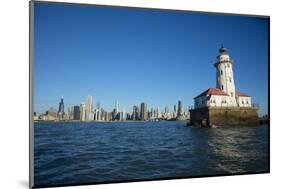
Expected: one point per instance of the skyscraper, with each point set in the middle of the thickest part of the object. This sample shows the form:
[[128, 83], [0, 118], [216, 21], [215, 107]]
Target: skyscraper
[[76, 113], [117, 106], [158, 112], [82, 111], [179, 108], [115, 112], [70, 111], [89, 108], [61, 109], [166, 109], [122, 115], [102, 114], [97, 115], [151, 116], [135, 114], [143, 113]]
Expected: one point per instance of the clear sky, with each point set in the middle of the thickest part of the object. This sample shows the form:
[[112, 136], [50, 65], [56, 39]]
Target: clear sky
[[136, 55]]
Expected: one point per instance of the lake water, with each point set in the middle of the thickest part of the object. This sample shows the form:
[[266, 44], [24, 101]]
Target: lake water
[[70, 153]]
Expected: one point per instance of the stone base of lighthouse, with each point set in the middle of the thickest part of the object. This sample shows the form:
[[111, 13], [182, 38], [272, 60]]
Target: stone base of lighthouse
[[224, 116]]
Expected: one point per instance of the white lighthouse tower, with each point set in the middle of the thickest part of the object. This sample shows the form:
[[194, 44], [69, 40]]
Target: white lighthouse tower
[[225, 79]]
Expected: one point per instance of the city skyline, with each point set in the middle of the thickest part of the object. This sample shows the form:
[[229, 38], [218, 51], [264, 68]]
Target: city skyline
[[93, 105], [168, 56], [91, 111]]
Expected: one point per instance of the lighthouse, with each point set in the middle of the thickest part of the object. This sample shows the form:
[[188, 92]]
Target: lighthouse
[[223, 104], [225, 76]]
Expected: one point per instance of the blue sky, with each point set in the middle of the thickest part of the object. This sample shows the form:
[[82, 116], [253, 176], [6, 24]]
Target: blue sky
[[136, 55]]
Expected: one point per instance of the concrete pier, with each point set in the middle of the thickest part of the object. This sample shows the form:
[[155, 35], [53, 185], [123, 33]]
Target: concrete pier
[[224, 116]]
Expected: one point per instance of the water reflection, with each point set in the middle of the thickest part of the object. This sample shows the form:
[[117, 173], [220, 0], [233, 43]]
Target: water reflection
[[235, 149]]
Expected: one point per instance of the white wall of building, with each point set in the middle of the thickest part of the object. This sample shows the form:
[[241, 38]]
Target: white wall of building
[[219, 101], [222, 101], [244, 101]]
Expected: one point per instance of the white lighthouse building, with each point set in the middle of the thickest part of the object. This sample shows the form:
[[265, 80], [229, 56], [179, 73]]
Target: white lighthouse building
[[225, 93]]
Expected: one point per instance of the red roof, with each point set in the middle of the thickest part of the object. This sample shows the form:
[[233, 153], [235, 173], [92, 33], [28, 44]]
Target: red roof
[[241, 94], [213, 91]]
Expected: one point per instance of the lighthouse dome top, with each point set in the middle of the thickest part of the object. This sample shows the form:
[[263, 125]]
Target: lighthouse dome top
[[223, 50]]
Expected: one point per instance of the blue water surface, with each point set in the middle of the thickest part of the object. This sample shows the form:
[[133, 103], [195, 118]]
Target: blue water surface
[[70, 153]]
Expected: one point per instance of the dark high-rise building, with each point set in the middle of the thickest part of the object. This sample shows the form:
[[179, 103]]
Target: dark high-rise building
[[76, 113], [143, 112], [102, 114], [114, 114], [61, 109], [136, 112], [128, 116], [179, 108], [175, 108], [149, 115], [108, 116]]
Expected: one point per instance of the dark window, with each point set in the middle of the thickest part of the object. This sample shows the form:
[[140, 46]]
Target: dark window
[[221, 72], [222, 87]]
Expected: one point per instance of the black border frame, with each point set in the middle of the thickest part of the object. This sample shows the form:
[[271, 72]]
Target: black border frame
[[31, 92]]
